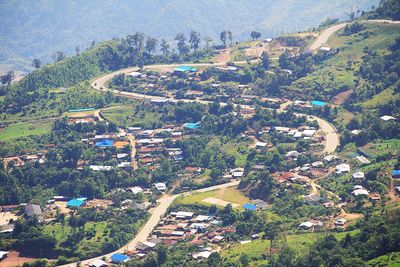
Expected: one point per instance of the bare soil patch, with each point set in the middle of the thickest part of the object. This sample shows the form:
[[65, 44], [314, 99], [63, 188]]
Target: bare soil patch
[[342, 97], [14, 259], [220, 202]]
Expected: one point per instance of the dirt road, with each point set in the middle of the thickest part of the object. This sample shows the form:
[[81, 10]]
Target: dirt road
[[132, 141], [324, 36], [163, 204]]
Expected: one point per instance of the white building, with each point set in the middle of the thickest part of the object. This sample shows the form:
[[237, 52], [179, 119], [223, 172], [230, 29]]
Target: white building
[[342, 168], [160, 186]]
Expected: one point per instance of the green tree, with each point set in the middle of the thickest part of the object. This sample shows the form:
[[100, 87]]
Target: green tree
[[265, 60], [164, 47], [194, 40], [255, 35], [180, 38], [151, 44], [36, 63], [223, 37]]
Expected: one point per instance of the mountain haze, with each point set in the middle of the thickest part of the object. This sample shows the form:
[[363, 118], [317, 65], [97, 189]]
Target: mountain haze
[[31, 29]]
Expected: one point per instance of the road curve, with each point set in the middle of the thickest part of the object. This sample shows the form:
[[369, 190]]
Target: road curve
[[163, 204], [324, 36], [332, 141]]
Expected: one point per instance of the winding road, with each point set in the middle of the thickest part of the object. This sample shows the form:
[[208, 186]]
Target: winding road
[[332, 141]]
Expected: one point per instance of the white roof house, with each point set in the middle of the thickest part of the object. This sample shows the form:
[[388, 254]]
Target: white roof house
[[306, 225], [330, 158], [160, 186], [100, 168], [342, 168], [261, 144], [387, 118], [298, 134], [122, 155], [292, 154], [309, 133], [97, 263], [3, 254], [135, 190], [325, 48], [358, 176], [340, 222], [202, 218], [360, 191], [178, 233], [203, 254]]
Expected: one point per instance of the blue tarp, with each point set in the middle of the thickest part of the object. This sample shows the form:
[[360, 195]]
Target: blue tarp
[[80, 109], [185, 69], [396, 173], [119, 258], [249, 206], [191, 125], [75, 203], [105, 143], [318, 103]]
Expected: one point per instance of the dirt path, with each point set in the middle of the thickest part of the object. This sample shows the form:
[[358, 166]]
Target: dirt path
[[133, 151], [324, 36], [157, 213], [392, 193]]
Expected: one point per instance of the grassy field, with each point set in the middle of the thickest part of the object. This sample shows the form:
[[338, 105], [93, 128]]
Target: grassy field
[[230, 194], [379, 148], [381, 98], [336, 74], [126, 116], [389, 260], [299, 243], [237, 148], [25, 129], [86, 245]]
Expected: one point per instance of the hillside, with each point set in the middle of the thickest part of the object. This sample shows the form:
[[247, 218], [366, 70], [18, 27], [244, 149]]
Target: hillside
[[63, 25]]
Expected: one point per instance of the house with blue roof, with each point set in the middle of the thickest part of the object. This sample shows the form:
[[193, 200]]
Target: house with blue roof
[[76, 203], [396, 173], [105, 143], [191, 125], [119, 258], [249, 206]]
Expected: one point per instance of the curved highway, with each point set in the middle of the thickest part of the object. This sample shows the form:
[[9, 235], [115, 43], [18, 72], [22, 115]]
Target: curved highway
[[332, 140]]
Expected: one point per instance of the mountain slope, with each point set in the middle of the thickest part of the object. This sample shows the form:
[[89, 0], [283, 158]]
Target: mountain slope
[[32, 29]]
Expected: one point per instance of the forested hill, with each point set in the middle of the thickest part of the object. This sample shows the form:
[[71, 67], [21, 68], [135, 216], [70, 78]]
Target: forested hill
[[31, 29]]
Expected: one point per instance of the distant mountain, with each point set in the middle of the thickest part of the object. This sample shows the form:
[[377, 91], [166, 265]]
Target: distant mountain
[[36, 28]]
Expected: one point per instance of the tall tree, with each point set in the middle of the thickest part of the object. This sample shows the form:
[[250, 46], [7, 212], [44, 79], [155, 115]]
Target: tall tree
[[58, 56], [265, 60], [223, 37], [255, 35], [151, 44], [77, 49], [230, 37], [194, 40], [36, 63], [182, 47], [164, 47], [136, 41], [8, 78]]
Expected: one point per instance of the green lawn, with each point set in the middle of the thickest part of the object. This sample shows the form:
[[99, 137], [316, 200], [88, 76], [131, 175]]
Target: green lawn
[[335, 74], [300, 243], [389, 260], [25, 129], [86, 245], [230, 194], [381, 98], [127, 116]]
